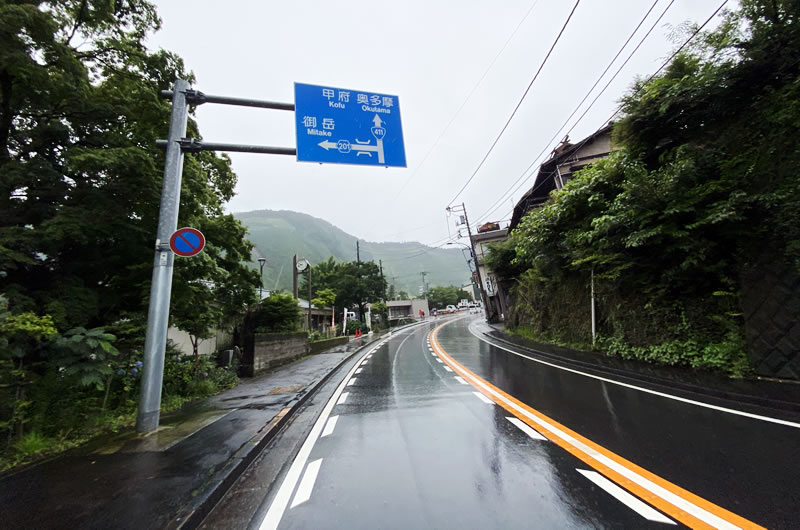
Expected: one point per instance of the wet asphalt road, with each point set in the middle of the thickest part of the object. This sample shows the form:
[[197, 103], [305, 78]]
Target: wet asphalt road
[[411, 446]]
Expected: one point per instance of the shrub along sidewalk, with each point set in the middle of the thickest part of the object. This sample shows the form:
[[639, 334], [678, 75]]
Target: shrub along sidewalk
[[159, 480]]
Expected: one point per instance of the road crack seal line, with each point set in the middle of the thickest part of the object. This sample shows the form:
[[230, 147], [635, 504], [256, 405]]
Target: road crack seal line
[[673, 500]]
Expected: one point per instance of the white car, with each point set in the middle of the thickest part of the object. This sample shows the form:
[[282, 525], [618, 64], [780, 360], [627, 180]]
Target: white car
[[450, 309]]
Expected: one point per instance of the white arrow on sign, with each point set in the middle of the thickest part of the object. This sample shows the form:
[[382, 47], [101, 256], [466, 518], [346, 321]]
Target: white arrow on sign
[[327, 144]]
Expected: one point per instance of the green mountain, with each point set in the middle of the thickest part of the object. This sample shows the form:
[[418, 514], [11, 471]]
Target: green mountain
[[278, 235]]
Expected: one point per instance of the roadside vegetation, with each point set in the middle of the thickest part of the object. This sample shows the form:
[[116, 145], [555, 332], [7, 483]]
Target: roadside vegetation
[[80, 175], [703, 189]]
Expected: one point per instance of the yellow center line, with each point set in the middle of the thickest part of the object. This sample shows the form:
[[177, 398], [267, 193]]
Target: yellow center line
[[688, 508]]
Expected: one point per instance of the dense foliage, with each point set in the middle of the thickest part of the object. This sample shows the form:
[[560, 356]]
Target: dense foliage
[[354, 284], [278, 312], [703, 187], [80, 182], [441, 297]]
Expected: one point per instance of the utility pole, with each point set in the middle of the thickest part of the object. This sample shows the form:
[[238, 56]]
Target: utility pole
[[424, 286], [358, 252], [383, 281], [484, 296], [294, 276], [309, 299]]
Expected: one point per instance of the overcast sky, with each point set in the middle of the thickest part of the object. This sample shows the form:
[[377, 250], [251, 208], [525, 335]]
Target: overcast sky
[[432, 55]]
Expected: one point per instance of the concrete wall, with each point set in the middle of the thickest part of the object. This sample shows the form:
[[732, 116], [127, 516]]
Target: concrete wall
[[221, 341], [184, 344], [322, 345], [269, 350]]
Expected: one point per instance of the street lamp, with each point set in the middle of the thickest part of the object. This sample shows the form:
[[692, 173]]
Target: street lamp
[[261, 262]]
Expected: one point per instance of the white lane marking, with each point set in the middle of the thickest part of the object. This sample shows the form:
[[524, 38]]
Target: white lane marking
[[307, 483], [431, 349], [626, 498], [439, 360], [330, 426], [365, 362], [483, 398], [677, 501], [358, 371], [647, 390], [448, 368], [352, 381], [275, 512], [461, 380], [524, 427]]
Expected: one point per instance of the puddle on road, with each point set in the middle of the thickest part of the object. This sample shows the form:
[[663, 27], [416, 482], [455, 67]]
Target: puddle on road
[[285, 390]]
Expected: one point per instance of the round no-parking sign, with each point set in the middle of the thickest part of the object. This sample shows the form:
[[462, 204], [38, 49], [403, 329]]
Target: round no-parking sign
[[187, 242]]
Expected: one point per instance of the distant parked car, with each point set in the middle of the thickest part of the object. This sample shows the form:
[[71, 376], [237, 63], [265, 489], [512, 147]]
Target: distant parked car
[[450, 308]]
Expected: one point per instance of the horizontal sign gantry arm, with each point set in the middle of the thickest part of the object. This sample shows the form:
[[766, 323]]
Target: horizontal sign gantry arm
[[193, 145]]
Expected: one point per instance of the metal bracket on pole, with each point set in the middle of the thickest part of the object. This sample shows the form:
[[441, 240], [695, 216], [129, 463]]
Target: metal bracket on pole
[[193, 145], [195, 97]]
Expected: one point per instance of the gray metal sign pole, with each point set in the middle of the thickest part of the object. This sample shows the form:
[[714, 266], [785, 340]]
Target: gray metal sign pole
[[158, 314], [161, 288]]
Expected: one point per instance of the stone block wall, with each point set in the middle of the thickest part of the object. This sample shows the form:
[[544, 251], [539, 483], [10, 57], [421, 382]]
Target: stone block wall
[[268, 350]]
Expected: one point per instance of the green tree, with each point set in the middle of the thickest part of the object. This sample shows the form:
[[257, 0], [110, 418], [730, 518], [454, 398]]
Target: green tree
[[325, 298], [392, 295], [80, 175], [23, 339], [703, 185], [440, 297], [277, 313], [355, 284]]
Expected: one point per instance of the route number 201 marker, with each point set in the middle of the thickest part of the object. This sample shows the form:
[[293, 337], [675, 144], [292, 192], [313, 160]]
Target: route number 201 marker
[[187, 242]]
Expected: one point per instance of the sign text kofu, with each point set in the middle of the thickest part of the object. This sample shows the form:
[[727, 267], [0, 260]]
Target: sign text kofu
[[348, 126]]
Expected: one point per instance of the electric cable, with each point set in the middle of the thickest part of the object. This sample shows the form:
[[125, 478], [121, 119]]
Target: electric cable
[[519, 103]]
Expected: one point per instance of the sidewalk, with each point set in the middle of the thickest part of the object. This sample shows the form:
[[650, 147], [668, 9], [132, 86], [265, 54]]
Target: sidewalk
[[772, 394], [174, 475]]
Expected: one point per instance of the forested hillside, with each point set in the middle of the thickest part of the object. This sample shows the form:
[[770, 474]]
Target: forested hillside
[[278, 235]]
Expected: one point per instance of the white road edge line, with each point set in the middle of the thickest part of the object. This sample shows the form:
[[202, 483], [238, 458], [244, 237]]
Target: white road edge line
[[483, 398], [448, 368], [352, 381], [307, 483], [654, 392], [275, 511], [330, 426], [677, 501], [626, 498], [461, 380], [524, 427]]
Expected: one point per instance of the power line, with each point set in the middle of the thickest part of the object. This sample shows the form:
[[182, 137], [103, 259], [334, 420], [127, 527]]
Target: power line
[[496, 204], [617, 111], [519, 103], [469, 96]]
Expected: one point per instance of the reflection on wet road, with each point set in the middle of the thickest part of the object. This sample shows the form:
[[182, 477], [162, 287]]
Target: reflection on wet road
[[432, 428]]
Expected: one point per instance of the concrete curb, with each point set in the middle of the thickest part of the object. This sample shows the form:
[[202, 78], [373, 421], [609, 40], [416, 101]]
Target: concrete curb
[[651, 380], [249, 451]]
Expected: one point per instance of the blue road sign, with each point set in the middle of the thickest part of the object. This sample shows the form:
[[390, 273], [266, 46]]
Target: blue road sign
[[187, 242], [348, 126]]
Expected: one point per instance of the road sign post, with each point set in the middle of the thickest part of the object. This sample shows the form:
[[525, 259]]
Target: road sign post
[[161, 287], [368, 132], [344, 126]]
